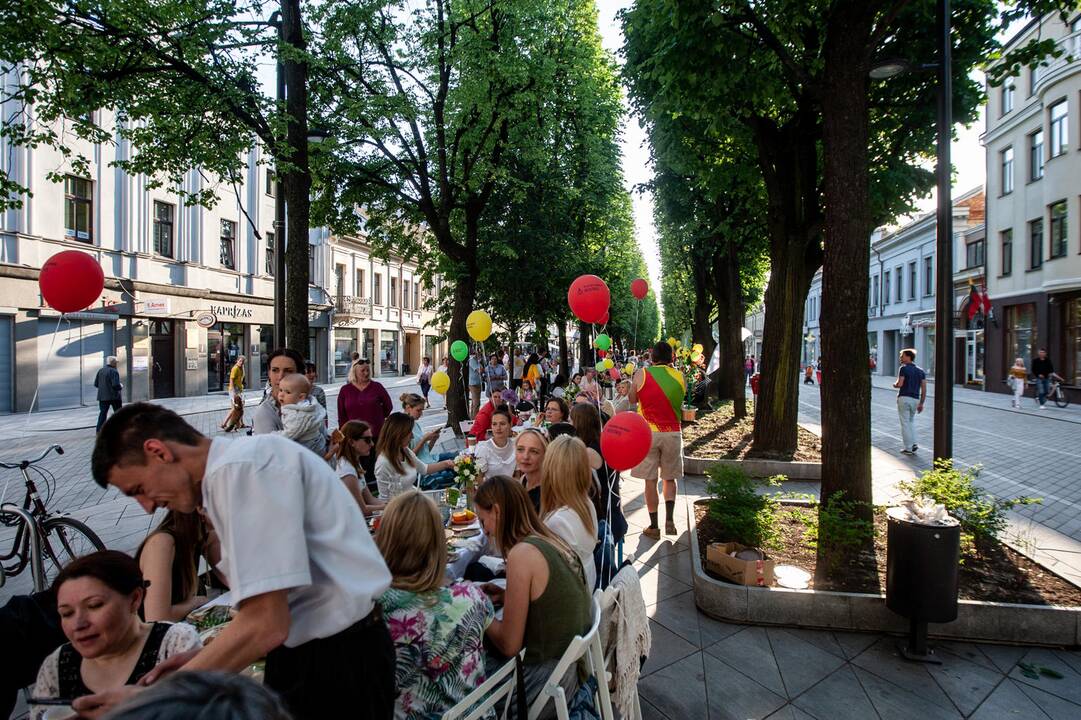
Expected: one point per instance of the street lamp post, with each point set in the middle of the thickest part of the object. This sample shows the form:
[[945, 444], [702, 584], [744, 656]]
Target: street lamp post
[[943, 444]]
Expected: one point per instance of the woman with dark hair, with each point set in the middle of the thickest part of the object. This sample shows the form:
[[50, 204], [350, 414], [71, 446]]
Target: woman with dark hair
[[397, 467], [204, 695], [280, 363], [356, 445], [555, 411], [545, 603], [364, 399], [98, 597], [497, 452], [169, 560]]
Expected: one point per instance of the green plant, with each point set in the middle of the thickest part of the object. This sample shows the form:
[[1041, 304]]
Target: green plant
[[982, 516], [839, 521], [745, 515]]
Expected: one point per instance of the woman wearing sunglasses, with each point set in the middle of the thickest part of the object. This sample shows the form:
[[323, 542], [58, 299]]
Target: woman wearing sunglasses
[[356, 444]]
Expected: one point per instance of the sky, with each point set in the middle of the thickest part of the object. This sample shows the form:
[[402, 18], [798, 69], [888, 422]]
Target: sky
[[966, 153]]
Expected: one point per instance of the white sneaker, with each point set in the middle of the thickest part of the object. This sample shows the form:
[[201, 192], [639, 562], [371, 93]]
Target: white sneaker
[[1042, 407]]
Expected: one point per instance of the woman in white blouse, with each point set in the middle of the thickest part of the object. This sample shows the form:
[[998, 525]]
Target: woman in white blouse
[[347, 457], [498, 452], [565, 505], [397, 467], [98, 597]]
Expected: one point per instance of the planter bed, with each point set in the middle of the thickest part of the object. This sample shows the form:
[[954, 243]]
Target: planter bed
[[1035, 620], [716, 438]]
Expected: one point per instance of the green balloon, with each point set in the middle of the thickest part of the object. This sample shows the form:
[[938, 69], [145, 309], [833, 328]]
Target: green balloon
[[603, 342], [599, 366], [459, 350]]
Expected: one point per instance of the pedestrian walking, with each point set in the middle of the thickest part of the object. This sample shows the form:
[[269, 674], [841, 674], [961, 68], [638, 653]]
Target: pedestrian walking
[[658, 391], [236, 377], [107, 381], [1018, 376], [911, 393], [476, 382], [808, 372], [424, 379], [304, 573]]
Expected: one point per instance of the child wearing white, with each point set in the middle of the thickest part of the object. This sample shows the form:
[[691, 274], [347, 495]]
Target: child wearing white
[[303, 419]]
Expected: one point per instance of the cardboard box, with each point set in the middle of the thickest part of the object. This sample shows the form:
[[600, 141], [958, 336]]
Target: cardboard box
[[741, 572]]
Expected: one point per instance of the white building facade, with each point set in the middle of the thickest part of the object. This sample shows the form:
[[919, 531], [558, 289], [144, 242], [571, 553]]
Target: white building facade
[[1033, 144]]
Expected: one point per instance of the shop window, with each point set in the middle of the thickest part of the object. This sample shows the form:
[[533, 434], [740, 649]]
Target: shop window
[[1072, 325], [163, 228], [1020, 333], [1059, 230], [78, 209], [228, 244]]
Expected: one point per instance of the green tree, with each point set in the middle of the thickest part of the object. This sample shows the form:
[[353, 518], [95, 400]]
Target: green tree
[[180, 78]]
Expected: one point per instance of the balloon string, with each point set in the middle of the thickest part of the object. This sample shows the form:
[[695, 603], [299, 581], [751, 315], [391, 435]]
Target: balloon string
[[52, 344], [634, 342]]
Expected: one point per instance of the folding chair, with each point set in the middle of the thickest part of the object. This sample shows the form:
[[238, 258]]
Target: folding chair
[[586, 646], [500, 686], [606, 599]]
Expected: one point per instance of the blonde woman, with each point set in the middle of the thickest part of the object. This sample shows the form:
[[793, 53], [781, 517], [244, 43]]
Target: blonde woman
[[566, 479], [529, 449], [1018, 376], [437, 629], [423, 442], [545, 603], [397, 467]]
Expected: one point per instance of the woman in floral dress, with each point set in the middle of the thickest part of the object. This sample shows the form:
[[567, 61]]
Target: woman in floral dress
[[438, 629]]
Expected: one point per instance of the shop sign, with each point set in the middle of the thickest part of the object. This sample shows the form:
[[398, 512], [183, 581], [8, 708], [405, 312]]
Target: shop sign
[[233, 312], [156, 307], [205, 319]]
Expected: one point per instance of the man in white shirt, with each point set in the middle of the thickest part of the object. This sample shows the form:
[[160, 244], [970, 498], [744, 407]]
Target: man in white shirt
[[516, 369], [301, 566]]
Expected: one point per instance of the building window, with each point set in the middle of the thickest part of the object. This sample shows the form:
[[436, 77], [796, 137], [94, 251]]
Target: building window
[[898, 277], [1035, 244], [1058, 229], [311, 264], [393, 299], [416, 296], [78, 209], [270, 185], [1072, 324], [929, 275], [1033, 78], [1035, 155], [912, 281], [1060, 128], [339, 281], [1020, 333], [377, 288], [163, 229], [1006, 240], [874, 291], [270, 253], [974, 254], [886, 288], [1007, 96], [406, 295], [360, 284], [1006, 157], [228, 244]]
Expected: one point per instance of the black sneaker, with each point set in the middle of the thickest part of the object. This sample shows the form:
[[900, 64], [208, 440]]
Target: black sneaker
[[915, 448], [906, 451]]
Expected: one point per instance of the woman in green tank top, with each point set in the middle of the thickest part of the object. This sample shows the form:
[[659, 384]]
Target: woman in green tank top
[[546, 602]]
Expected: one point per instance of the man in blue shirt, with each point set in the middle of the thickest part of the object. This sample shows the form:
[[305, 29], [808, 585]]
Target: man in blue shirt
[[911, 393]]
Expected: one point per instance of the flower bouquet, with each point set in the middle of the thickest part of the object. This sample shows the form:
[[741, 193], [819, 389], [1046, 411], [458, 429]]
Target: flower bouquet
[[468, 471], [691, 363]]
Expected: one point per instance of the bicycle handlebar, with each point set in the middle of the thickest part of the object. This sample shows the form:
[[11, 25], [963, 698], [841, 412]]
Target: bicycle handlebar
[[23, 464]]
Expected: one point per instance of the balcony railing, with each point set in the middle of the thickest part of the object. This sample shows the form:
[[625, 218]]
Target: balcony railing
[[1071, 47], [353, 306]]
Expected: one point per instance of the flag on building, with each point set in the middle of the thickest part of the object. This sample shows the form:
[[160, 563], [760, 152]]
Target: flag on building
[[975, 302]]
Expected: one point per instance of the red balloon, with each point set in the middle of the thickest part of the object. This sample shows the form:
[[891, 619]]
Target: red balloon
[[589, 298], [71, 280], [601, 353], [625, 440], [639, 288], [613, 373], [604, 320]]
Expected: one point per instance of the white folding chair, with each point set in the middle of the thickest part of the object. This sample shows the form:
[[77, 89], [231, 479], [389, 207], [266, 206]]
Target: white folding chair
[[606, 599], [500, 686], [586, 646]]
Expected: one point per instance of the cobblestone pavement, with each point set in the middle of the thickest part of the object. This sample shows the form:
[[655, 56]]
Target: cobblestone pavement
[[1029, 452]]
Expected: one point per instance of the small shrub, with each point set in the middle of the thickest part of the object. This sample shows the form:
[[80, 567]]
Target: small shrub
[[982, 516], [840, 523], [744, 514]]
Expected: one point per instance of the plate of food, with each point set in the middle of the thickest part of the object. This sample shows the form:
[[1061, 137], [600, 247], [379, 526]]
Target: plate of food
[[210, 620], [467, 531], [462, 517]]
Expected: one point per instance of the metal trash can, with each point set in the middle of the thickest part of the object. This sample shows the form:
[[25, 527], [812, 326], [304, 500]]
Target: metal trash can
[[921, 575]]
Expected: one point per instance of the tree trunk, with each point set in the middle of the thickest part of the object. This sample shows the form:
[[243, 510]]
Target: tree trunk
[[846, 387], [457, 396], [728, 291], [564, 362], [585, 347], [297, 184]]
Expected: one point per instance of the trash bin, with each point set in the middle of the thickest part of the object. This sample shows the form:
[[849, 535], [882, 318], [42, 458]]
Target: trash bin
[[921, 574]]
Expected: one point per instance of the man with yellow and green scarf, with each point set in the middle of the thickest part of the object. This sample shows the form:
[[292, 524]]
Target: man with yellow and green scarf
[[658, 392]]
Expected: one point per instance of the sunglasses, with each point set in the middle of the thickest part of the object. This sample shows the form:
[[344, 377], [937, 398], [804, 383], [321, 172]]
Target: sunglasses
[[367, 438]]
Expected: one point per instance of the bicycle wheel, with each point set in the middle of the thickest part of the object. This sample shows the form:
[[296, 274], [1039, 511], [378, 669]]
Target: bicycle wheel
[[64, 539], [18, 557], [1060, 398]]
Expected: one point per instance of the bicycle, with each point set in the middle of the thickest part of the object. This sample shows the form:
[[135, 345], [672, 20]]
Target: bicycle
[[41, 536], [1055, 393]]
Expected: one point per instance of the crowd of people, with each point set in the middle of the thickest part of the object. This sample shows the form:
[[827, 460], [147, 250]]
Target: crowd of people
[[344, 619]]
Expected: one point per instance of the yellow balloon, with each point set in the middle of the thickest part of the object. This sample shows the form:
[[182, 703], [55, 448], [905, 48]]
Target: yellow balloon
[[608, 364], [478, 325], [440, 382], [629, 368]]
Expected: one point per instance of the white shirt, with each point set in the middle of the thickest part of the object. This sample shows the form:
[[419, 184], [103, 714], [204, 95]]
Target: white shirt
[[286, 522], [500, 459], [565, 523], [390, 481]]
